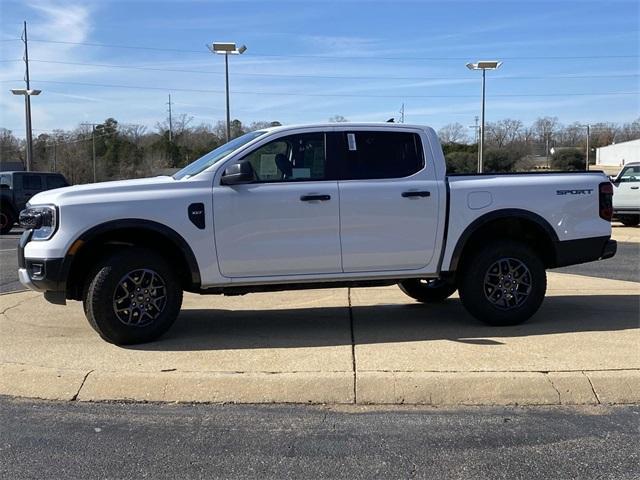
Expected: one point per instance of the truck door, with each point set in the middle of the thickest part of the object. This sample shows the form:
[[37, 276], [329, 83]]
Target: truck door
[[388, 202], [626, 194], [285, 222]]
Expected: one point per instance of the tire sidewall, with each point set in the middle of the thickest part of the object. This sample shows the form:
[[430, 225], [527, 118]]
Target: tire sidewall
[[471, 285], [101, 288], [8, 217]]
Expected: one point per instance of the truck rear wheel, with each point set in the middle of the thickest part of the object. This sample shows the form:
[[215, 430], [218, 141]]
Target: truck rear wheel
[[6, 221], [630, 220], [503, 284], [427, 290], [132, 297]]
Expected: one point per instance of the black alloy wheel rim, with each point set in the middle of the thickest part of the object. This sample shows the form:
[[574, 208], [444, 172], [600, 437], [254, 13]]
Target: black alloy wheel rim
[[507, 283], [139, 298]]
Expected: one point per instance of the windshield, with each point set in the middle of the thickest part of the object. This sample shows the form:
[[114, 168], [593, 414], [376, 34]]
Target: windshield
[[216, 155]]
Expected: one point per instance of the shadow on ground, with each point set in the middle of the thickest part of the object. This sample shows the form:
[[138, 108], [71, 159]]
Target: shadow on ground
[[217, 329]]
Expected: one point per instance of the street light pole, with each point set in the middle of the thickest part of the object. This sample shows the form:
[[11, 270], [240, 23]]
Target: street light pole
[[226, 76], [93, 146], [226, 49], [481, 160], [484, 66]]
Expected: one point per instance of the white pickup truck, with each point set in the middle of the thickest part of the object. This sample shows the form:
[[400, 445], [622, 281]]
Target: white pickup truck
[[337, 205]]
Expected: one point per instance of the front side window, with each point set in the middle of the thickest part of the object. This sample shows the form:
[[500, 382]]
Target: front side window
[[630, 174], [293, 158], [374, 155], [216, 155]]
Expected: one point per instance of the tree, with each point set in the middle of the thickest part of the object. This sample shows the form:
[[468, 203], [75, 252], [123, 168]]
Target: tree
[[568, 159], [337, 119], [503, 132], [545, 128], [453, 133], [500, 160], [461, 162]]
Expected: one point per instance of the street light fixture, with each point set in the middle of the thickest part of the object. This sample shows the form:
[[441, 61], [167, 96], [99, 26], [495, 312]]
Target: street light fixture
[[226, 49], [483, 65], [27, 113]]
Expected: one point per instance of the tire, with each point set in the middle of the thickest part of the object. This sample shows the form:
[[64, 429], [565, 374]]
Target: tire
[[630, 220], [503, 302], [430, 290], [6, 221], [120, 319]]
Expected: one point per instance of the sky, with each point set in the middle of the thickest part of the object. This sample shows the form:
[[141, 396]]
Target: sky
[[307, 61]]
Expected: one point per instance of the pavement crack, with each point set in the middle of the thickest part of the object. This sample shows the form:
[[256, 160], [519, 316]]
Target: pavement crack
[[17, 304], [353, 348], [75, 397], [554, 387], [595, 394]]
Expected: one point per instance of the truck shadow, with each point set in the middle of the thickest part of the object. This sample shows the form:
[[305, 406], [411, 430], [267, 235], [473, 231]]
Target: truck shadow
[[218, 329]]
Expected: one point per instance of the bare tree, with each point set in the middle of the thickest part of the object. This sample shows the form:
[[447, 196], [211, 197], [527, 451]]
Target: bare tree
[[503, 132], [545, 128], [453, 133]]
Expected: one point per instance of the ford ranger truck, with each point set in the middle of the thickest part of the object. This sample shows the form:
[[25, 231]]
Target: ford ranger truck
[[289, 208]]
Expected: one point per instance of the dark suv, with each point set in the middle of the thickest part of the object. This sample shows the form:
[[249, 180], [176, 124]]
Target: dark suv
[[16, 188]]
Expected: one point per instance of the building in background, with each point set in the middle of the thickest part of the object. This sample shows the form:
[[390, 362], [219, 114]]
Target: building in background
[[618, 154]]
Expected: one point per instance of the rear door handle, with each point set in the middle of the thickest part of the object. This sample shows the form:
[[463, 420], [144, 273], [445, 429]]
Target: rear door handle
[[311, 198], [421, 193], [634, 188]]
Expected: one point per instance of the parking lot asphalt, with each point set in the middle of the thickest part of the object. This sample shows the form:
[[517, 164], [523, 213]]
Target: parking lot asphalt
[[73, 440]]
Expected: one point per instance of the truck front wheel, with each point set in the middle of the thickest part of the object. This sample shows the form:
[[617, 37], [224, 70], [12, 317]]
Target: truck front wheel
[[428, 290], [132, 296], [503, 284]]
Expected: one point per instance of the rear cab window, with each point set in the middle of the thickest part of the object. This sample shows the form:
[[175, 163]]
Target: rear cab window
[[54, 181], [381, 154]]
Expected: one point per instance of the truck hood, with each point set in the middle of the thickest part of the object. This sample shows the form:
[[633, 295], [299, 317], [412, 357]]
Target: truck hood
[[94, 191]]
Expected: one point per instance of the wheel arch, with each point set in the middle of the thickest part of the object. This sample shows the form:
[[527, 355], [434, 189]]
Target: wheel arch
[[98, 240], [511, 223]]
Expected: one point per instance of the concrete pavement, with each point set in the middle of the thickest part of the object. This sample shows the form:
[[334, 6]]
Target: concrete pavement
[[366, 346]]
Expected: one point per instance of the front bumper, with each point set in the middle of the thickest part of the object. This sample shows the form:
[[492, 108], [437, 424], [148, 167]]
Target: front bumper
[[40, 274]]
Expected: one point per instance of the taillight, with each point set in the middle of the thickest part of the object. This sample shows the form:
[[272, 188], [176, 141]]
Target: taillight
[[606, 200]]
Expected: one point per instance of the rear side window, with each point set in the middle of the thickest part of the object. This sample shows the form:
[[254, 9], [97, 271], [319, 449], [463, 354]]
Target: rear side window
[[55, 182], [372, 155], [32, 182]]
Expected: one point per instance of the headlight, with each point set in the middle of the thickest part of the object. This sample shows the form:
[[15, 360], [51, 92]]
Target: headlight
[[43, 220]]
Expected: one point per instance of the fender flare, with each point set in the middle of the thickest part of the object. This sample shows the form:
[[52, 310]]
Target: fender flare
[[174, 237], [506, 213]]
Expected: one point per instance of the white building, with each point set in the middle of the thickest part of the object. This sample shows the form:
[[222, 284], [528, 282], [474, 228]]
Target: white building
[[618, 154]]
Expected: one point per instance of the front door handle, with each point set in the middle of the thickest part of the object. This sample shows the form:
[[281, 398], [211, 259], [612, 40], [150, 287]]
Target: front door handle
[[311, 198], [420, 193], [634, 188]]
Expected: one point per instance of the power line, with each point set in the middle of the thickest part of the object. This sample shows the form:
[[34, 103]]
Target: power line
[[331, 77], [354, 95], [338, 57]]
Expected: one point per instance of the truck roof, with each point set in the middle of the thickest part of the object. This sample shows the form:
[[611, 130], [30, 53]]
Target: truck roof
[[348, 125]]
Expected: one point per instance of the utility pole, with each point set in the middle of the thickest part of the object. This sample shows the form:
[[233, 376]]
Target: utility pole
[[93, 146], [588, 135], [402, 114], [55, 155], [170, 122]]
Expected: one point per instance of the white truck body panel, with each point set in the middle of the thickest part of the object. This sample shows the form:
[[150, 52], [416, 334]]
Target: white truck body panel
[[260, 233]]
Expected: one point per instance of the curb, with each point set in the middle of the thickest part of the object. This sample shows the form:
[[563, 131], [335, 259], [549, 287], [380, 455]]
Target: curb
[[371, 388]]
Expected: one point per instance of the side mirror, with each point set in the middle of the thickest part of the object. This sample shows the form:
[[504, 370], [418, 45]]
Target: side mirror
[[241, 172]]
